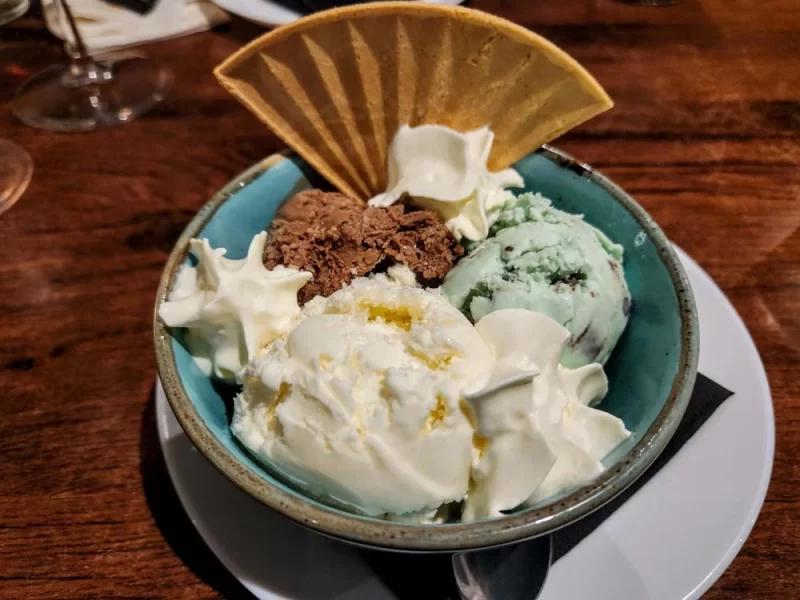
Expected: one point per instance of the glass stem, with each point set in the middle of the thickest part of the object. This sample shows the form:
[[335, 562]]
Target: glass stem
[[83, 69], [73, 41]]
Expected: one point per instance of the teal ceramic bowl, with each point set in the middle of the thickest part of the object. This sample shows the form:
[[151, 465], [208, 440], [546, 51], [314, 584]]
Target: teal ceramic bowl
[[651, 372]]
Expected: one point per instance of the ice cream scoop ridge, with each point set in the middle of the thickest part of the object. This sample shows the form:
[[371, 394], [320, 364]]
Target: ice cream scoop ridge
[[232, 308], [361, 402], [538, 434], [446, 171]]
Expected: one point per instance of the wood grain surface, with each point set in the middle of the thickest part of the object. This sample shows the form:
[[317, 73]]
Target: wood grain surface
[[705, 134]]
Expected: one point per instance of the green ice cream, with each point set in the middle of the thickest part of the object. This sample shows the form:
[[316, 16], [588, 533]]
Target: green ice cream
[[542, 259]]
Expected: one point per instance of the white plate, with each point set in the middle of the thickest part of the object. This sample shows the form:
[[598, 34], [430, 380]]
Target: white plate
[[271, 13], [671, 541]]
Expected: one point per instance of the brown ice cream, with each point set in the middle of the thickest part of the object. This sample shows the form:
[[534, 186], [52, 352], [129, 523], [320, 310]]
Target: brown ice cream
[[338, 238]]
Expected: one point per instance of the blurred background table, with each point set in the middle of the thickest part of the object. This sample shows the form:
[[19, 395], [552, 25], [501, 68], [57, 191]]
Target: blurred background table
[[705, 134]]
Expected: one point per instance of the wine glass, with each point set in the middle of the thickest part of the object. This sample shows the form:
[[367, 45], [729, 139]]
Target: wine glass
[[16, 168], [88, 93]]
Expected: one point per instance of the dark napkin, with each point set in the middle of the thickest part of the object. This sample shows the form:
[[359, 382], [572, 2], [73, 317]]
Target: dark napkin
[[315, 5], [141, 7], [707, 396], [430, 577]]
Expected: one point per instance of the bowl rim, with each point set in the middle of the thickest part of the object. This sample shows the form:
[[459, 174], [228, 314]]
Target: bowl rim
[[412, 537]]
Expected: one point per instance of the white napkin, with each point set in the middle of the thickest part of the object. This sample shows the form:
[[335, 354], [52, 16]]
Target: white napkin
[[104, 26]]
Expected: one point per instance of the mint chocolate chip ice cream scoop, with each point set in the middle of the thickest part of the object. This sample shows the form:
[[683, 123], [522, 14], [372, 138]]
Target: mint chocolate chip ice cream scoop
[[548, 261]]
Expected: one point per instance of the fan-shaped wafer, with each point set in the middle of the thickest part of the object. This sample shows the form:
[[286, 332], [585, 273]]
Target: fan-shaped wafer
[[336, 86]]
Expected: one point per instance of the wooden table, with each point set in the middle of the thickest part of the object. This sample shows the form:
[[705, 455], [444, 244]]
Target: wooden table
[[705, 134]]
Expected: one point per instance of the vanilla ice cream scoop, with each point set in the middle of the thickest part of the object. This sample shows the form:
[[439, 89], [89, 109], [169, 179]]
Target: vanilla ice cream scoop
[[231, 308], [446, 171], [362, 401], [538, 436]]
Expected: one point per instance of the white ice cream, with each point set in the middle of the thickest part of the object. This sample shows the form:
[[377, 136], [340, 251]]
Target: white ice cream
[[398, 274], [385, 398], [446, 171], [232, 308], [536, 433], [361, 402]]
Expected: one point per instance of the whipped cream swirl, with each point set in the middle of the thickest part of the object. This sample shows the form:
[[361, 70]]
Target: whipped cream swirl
[[537, 434], [232, 308], [446, 171]]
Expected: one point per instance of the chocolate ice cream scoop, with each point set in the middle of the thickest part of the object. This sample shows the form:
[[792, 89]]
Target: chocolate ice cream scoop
[[338, 238]]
